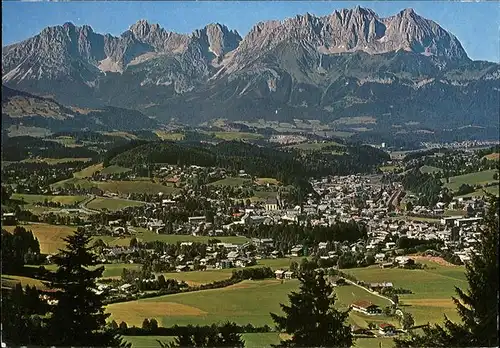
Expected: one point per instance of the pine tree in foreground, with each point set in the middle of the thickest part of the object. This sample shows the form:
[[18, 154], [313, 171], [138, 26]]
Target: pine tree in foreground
[[226, 335], [78, 318], [478, 305], [311, 319]]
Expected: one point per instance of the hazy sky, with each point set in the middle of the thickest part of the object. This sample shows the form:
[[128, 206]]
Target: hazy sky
[[475, 24]]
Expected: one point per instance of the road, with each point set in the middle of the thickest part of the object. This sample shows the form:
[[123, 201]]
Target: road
[[83, 205], [394, 199], [367, 290]]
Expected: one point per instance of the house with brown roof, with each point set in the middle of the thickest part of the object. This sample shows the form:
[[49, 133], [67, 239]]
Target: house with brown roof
[[366, 307], [387, 329]]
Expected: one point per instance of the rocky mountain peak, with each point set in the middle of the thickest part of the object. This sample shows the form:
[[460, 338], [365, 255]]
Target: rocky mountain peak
[[357, 29], [142, 28], [217, 38]]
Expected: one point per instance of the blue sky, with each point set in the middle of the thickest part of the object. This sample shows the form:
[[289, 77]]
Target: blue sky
[[476, 24]]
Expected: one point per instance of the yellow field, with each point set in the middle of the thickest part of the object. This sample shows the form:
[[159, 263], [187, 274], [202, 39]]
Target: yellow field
[[493, 156], [49, 236], [121, 134], [163, 135], [87, 172], [134, 312], [9, 281]]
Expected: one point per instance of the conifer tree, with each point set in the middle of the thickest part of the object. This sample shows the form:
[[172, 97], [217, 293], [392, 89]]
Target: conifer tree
[[78, 318], [213, 336], [311, 319], [478, 305]]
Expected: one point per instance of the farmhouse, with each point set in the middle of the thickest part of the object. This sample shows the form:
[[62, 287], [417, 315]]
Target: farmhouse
[[279, 274], [359, 331], [404, 261], [289, 275], [9, 219], [366, 307], [379, 286], [387, 329], [297, 250]]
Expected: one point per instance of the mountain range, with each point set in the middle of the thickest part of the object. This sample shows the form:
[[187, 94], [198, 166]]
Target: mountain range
[[399, 70]]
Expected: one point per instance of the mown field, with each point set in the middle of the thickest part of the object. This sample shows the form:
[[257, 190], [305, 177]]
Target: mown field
[[234, 182], [493, 156], [88, 171], [111, 204], [10, 281], [163, 135], [478, 178], [49, 236]]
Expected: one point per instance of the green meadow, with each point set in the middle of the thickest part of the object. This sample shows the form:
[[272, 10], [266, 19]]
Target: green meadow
[[478, 178]]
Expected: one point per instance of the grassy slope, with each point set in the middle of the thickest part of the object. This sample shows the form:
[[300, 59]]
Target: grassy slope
[[429, 169], [114, 169], [246, 302], [56, 160], [237, 135], [87, 172], [432, 288], [478, 178], [205, 277], [124, 187], [49, 236], [32, 199], [235, 182], [316, 146], [145, 235]]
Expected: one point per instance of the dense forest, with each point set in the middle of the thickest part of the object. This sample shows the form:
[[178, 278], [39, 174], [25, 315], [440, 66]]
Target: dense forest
[[288, 166], [23, 147], [426, 186]]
